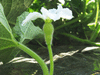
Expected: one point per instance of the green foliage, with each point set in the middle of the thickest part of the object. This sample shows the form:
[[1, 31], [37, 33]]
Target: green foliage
[[36, 6], [6, 37], [27, 32], [90, 7], [77, 5], [14, 8], [96, 65], [8, 54], [12, 13], [7, 42]]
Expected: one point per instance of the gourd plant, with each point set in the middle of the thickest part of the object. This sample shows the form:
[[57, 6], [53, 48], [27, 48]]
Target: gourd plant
[[26, 28], [48, 29], [8, 42], [96, 28]]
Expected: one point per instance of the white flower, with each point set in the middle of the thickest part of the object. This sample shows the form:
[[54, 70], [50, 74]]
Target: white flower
[[51, 13], [54, 14], [62, 1], [31, 16], [64, 12]]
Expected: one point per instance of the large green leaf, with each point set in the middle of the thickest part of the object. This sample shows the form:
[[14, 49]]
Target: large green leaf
[[29, 31], [14, 8], [6, 37], [7, 41]]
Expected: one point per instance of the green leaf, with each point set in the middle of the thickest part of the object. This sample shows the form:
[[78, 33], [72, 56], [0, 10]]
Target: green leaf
[[14, 8], [3, 20], [29, 31], [6, 37], [96, 66], [8, 54], [77, 5], [7, 41]]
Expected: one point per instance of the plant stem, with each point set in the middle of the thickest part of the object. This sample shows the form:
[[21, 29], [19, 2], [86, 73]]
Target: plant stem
[[81, 40], [97, 13], [96, 31], [51, 59], [84, 8], [35, 56]]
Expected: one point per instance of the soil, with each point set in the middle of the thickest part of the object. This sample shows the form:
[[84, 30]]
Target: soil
[[68, 60]]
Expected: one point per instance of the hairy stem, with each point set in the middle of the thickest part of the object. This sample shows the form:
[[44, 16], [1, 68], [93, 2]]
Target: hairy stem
[[36, 57], [51, 60]]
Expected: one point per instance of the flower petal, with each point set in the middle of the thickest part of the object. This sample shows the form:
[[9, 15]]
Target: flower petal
[[51, 13], [44, 13], [64, 12], [53, 10], [59, 8], [32, 16]]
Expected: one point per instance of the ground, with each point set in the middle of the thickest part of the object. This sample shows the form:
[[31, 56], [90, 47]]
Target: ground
[[68, 60]]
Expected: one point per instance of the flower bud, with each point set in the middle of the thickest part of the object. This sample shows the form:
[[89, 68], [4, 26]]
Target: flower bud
[[48, 30]]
